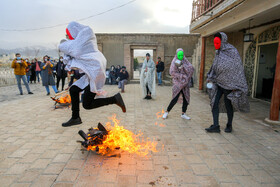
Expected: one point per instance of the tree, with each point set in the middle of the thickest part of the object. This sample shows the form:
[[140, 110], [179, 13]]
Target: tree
[[136, 64]]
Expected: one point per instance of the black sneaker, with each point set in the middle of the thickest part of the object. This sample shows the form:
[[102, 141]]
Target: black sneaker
[[72, 122], [20, 93], [149, 97], [30, 93], [228, 129], [48, 93], [119, 102], [213, 128], [146, 97]]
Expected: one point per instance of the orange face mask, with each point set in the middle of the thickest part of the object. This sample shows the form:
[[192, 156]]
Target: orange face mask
[[217, 43]]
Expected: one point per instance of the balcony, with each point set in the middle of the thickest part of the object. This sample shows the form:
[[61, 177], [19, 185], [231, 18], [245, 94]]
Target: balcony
[[201, 7]]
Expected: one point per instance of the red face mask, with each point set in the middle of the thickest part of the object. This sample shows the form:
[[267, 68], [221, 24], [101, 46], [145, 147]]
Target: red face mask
[[217, 43], [69, 35]]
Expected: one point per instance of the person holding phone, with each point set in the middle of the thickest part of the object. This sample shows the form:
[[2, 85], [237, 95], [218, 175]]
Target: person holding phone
[[47, 74], [19, 65]]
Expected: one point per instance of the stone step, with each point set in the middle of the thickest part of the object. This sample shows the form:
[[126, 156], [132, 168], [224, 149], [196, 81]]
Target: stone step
[[134, 81]]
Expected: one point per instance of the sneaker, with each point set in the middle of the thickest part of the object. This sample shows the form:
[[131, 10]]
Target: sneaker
[[30, 93], [228, 129], [213, 128], [149, 97], [20, 93], [164, 116], [184, 116], [48, 93], [119, 102], [146, 97], [72, 122]]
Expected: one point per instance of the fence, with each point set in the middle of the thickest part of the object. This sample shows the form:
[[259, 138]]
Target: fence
[[201, 7], [7, 76]]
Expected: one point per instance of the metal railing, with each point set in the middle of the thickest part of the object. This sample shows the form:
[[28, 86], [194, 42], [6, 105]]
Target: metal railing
[[201, 7]]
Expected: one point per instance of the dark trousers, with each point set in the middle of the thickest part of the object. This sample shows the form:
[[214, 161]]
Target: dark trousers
[[174, 101], [148, 91], [215, 109], [88, 100], [58, 80]]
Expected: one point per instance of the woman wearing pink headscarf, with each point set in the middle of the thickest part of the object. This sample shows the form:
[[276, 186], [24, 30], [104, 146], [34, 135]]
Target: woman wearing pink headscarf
[[181, 71]]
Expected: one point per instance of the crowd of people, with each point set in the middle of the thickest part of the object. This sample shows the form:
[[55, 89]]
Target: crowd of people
[[33, 71], [86, 66]]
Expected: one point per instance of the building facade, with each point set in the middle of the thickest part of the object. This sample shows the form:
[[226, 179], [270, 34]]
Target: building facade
[[252, 26]]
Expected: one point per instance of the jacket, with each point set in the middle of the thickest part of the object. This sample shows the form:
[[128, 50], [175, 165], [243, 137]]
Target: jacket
[[19, 68]]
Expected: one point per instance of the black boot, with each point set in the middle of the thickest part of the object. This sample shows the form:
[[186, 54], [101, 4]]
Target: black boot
[[213, 128], [72, 122], [228, 129], [119, 101]]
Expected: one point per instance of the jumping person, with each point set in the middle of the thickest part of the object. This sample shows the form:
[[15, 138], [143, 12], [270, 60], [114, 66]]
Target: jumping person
[[147, 77], [226, 79], [181, 71], [81, 52]]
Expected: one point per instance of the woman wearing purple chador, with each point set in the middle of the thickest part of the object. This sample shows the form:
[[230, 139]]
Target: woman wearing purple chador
[[181, 71]]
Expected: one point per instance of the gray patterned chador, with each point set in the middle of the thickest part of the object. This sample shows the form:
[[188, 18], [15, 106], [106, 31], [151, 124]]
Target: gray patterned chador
[[228, 83]]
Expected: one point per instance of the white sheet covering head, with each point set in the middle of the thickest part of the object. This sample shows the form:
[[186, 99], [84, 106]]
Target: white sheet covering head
[[82, 53]]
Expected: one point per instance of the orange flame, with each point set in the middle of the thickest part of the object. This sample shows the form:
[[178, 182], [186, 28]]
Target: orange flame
[[160, 114], [63, 99], [119, 137]]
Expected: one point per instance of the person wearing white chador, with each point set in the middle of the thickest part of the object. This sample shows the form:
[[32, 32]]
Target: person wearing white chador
[[147, 78], [81, 52]]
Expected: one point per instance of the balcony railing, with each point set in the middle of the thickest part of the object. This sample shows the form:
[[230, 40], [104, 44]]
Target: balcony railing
[[201, 7]]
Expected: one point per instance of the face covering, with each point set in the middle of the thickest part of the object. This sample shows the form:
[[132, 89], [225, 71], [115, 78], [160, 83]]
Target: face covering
[[69, 34], [18, 58], [45, 60], [217, 43], [180, 55]]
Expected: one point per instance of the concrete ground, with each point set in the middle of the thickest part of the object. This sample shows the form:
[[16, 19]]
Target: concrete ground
[[35, 150]]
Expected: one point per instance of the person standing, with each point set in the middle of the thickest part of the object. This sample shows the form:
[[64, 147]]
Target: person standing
[[226, 81], [81, 53], [181, 71], [28, 70], [47, 74], [61, 73], [33, 72], [19, 66], [123, 78], [38, 69], [147, 78], [160, 69]]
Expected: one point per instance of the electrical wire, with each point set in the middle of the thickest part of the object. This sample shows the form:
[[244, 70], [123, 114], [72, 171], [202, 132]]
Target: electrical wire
[[62, 24]]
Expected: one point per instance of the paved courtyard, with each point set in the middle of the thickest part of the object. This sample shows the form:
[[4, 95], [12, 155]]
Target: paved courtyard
[[35, 150]]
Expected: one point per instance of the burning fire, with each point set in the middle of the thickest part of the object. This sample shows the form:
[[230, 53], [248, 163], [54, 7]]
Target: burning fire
[[63, 100], [160, 114], [119, 137], [161, 125]]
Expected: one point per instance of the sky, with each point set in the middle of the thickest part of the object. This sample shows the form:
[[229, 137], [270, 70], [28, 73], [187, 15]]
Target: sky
[[140, 16]]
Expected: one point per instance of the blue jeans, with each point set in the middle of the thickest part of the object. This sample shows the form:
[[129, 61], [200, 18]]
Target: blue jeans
[[48, 89], [37, 75], [28, 78], [122, 83], [159, 77], [23, 78]]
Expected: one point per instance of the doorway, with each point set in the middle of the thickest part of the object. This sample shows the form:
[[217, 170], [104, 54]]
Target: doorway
[[138, 58], [266, 70]]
